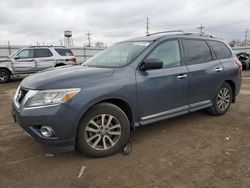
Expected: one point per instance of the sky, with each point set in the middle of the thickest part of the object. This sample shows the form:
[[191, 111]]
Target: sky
[[28, 22]]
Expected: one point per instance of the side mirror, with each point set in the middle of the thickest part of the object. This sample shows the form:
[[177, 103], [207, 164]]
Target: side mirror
[[151, 63], [16, 57]]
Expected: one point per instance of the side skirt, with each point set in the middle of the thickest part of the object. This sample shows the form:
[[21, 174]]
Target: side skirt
[[174, 112]]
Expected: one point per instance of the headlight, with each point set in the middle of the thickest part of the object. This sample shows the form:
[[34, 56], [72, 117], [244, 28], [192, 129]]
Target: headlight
[[50, 97]]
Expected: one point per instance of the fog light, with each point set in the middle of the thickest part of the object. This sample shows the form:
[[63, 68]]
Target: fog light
[[46, 131]]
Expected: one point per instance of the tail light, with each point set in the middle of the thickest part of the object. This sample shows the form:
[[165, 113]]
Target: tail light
[[73, 58], [239, 64]]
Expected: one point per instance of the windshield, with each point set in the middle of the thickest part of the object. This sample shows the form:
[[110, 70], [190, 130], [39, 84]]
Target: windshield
[[117, 55]]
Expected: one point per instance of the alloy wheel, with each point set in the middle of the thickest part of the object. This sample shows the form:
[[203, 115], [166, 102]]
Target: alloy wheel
[[3, 76], [102, 132], [224, 98]]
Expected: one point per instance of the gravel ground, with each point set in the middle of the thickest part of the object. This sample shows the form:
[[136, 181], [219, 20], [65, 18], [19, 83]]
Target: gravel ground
[[194, 150]]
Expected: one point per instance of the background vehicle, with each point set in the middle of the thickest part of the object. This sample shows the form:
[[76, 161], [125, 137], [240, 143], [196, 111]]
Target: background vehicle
[[34, 59], [244, 59], [132, 83]]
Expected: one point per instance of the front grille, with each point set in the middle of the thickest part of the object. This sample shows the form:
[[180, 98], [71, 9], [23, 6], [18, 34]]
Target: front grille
[[21, 94]]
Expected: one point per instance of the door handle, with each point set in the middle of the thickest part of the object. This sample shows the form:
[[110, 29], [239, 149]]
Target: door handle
[[181, 76], [218, 69]]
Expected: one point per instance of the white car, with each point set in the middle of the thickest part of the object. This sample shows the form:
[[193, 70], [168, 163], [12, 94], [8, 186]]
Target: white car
[[34, 59]]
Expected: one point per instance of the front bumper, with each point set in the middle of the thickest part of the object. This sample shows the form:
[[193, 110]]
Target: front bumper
[[60, 118]]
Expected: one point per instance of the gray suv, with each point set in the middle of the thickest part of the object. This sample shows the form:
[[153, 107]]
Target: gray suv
[[34, 59], [94, 107]]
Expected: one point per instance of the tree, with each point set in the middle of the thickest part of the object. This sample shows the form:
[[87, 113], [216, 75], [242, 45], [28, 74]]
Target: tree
[[232, 43], [99, 44]]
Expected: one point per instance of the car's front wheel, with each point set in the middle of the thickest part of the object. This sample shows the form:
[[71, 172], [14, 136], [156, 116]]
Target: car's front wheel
[[4, 76], [222, 101], [104, 130]]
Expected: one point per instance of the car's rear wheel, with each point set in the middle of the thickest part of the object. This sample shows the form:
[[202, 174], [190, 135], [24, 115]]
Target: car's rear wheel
[[247, 66], [4, 76], [222, 101], [104, 130]]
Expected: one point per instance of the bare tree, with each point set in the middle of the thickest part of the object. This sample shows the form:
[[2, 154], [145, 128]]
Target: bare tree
[[99, 44]]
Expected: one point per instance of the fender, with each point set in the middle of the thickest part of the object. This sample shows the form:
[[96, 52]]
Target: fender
[[7, 64]]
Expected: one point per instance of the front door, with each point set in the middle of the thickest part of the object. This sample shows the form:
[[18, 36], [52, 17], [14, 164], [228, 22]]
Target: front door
[[24, 61], [163, 92]]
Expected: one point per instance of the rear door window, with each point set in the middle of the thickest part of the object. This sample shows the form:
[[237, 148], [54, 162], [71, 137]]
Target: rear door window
[[220, 49], [39, 53], [196, 51], [64, 52]]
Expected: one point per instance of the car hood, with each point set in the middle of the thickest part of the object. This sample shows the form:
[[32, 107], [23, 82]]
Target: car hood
[[65, 77]]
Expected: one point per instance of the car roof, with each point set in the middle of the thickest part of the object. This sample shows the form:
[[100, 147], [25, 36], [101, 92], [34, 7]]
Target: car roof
[[62, 47], [42, 47]]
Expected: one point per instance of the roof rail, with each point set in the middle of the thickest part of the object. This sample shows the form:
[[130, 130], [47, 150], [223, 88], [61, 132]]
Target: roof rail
[[170, 31], [182, 32], [46, 46], [200, 34]]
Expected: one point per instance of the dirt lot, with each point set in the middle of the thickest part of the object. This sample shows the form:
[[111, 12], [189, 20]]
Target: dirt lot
[[195, 150]]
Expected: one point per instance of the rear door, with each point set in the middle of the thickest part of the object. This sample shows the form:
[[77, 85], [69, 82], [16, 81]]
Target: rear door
[[205, 72], [44, 58], [231, 70], [23, 61], [162, 92]]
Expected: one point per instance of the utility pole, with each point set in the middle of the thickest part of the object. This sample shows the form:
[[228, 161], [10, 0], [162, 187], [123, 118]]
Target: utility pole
[[201, 29], [84, 52], [147, 27], [246, 37], [61, 43], [9, 47], [88, 34]]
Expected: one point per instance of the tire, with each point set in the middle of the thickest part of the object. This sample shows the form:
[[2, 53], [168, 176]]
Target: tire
[[222, 100], [59, 65], [4, 76], [93, 136], [247, 66]]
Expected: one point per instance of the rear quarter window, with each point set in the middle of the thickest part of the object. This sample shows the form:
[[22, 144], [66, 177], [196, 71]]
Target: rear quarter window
[[64, 52], [220, 49]]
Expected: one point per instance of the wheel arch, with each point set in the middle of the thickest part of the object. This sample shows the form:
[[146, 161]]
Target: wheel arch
[[124, 106], [233, 87], [121, 103], [4, 68], [60, 64]]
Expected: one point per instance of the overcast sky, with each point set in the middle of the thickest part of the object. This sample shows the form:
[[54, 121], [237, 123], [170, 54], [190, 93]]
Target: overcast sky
[[31, 21]]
